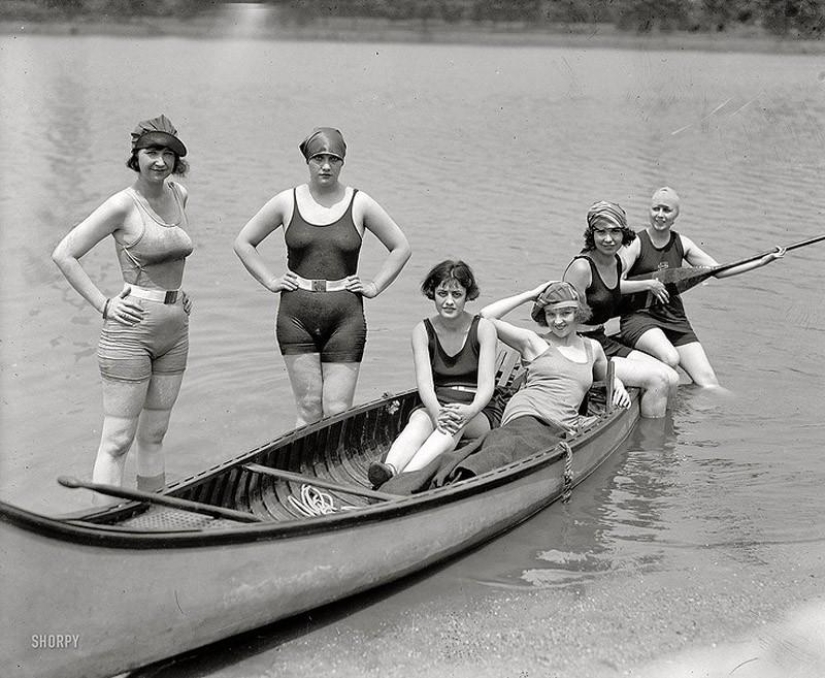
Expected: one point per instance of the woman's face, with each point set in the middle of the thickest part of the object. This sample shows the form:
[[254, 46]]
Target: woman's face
[[325, 168], [561, 318], [449, 298], [662, 215], [606, 237], [156, 162]]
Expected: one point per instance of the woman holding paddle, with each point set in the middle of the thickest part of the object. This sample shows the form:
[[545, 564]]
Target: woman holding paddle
[[597, 274], [661, 327], [144, 342], [320, 327]]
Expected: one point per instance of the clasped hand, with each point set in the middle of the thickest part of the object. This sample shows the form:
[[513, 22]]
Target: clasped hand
[[452, 418]]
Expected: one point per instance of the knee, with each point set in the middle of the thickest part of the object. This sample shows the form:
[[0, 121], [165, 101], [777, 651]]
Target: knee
[[116, 443], [310, 408], [667, 378], [671, 359]]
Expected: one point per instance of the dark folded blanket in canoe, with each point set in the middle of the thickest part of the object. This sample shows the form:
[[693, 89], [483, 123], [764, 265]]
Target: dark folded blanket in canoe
[[515, 440]]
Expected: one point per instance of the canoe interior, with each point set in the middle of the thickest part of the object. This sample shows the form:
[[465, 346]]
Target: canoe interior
[[337, 449]]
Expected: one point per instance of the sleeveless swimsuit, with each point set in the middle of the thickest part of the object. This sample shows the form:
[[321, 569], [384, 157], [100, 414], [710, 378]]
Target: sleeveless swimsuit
[[670, 317], [329, 323], [605, 303], [459, 370], [159, 342], [554, 389]]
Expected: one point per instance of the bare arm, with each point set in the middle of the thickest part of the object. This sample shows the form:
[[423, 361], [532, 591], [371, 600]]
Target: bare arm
[[621, 398], [527, 342], [579, 275], [104, 221], [268, 219], [377, 221], [424, 371]]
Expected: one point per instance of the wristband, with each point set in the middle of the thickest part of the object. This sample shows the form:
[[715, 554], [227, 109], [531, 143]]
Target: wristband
[[106, 309]]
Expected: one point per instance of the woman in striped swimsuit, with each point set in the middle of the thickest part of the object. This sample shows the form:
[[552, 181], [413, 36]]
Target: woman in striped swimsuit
[[144, 342]]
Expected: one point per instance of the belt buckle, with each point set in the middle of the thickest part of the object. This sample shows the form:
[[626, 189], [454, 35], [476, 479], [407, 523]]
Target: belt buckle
[[171, 297], [319, 285]]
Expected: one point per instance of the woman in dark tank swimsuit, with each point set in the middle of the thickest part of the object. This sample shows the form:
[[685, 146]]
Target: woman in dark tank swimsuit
[[662, 328], [597, 274], [320, 326], [454, 354], [144, 341]]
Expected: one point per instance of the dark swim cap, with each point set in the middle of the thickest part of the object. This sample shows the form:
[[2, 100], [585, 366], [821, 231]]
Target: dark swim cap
[[327, 140], [157, 132]]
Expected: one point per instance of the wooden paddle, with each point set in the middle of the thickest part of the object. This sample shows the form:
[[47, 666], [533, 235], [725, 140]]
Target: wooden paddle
[[683, 278], [160, 500], [319, 482]]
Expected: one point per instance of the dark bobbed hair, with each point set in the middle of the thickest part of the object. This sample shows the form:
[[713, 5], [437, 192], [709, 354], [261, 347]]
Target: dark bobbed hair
[[628, 236], [450, 269], [181, 166]]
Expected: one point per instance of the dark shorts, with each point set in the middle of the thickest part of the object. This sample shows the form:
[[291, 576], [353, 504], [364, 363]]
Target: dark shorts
[[634, 326], [158, 344], [612, 348], [329, 323]]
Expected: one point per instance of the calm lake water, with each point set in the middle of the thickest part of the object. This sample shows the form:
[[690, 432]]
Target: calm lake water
[[701, 543]]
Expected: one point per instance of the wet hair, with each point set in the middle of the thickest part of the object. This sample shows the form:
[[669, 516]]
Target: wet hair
[[450, 269], [181, 166]]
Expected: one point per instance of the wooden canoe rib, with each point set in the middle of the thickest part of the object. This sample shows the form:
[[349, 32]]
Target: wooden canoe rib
[[185, 579]]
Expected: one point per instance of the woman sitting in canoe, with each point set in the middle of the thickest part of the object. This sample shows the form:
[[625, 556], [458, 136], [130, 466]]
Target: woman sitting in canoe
[[662, 328], [454, 354], [561, 366], [596, 273]]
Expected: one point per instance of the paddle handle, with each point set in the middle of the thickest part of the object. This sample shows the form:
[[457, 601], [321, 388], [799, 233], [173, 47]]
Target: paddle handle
[[747, 260], [160, 500]]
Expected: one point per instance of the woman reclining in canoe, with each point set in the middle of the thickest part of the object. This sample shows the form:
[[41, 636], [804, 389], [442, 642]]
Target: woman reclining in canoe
[[561, 366], [454, 354]]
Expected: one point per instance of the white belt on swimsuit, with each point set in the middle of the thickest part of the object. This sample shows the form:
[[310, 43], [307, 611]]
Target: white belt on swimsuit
[[589, 329], [163, 296], [467, 389], [321, 285]]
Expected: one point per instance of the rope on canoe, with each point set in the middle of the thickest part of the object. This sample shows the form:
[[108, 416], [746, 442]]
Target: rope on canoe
[[567, 481], [314, 502]]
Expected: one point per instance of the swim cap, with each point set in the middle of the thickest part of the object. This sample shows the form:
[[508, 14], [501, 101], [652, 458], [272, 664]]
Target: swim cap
[[326, 140], [157, 132], [555, 293], [666, 196], [606, 211]]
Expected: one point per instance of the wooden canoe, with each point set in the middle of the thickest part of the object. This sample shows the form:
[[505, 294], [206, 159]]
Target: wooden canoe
[[93, 595]]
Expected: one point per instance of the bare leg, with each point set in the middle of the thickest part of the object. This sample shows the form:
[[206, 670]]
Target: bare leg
[[339, 384], [438, 443], [695, 362], [152, 426], [655, 343], [122, 403], [411, 438], [307, 382], [656, 380]]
